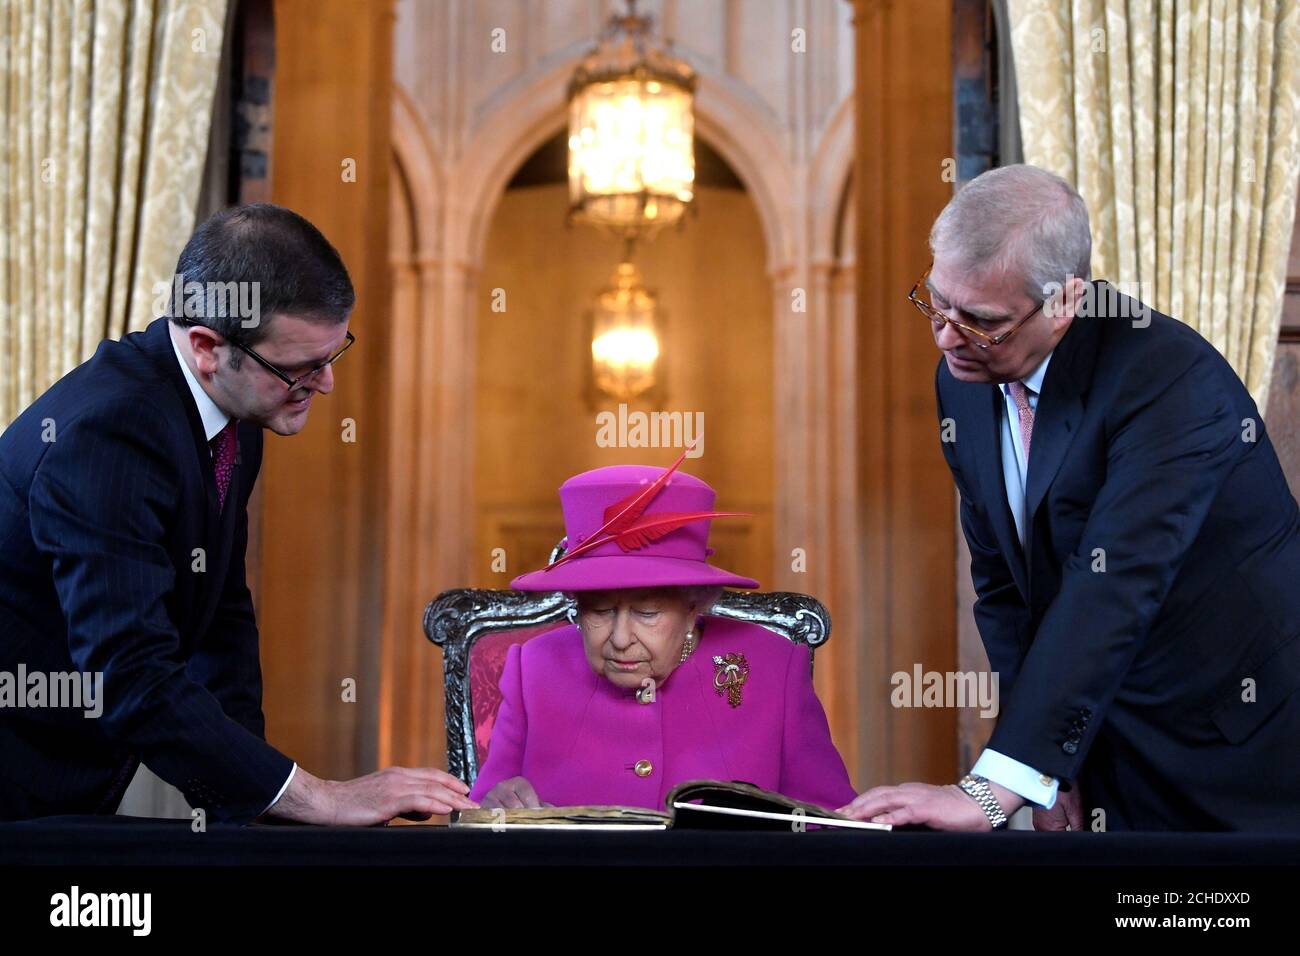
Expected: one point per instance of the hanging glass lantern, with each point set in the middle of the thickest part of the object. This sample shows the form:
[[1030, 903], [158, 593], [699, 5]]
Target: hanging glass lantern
[[624, 341], [631, 131]]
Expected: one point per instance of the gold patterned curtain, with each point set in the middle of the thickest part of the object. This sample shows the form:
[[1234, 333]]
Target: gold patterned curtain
[[105, 107], [1177, 122]]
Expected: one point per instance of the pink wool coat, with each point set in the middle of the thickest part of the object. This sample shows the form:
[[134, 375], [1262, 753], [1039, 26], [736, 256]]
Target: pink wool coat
[[578, 738]]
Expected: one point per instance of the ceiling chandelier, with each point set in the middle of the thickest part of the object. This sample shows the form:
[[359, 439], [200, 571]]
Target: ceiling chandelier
[[631, 131]]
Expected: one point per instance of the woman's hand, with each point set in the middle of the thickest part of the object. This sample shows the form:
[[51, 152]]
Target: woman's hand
[[512, 794]]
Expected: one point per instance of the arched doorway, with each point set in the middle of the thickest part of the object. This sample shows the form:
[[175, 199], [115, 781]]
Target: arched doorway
[[536, 412]]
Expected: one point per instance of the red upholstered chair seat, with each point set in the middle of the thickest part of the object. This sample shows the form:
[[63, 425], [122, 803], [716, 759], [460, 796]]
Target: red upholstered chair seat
[[487, 659]]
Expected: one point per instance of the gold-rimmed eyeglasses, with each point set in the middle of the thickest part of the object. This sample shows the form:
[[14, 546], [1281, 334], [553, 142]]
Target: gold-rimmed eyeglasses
[[919, 297]]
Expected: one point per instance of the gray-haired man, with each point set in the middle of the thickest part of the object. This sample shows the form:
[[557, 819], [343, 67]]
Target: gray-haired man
[[1134, 544]]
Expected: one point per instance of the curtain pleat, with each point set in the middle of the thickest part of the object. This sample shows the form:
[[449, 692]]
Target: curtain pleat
[[106, 108], [1177, 120]]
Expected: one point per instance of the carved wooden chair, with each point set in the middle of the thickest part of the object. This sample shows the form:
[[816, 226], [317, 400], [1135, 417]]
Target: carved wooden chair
[[476, 629]]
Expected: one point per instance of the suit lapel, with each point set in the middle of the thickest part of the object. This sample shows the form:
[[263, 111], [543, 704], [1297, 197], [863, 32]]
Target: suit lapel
[[1061, 405], [1055, 424], [988, 449], [156, 342], [218, 527]]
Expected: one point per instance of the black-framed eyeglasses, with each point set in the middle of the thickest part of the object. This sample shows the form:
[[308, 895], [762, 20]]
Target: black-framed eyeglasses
[[920, 289], [290, 382]]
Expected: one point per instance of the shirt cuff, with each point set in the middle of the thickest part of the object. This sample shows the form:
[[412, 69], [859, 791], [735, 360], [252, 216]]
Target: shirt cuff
[[1017, 777], [289, 779]]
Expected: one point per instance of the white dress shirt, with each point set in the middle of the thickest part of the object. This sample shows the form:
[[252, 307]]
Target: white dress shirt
[[1017, 777], [214, 419]]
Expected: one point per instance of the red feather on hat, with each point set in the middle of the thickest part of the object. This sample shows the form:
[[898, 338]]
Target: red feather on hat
[[622, 513], [622, 523], [641, 533], [656, 526]]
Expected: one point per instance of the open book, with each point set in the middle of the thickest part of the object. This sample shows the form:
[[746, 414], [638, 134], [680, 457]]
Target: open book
[[695, 804]]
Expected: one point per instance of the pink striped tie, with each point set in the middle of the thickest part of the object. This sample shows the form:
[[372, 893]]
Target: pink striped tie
[[1020, 395]]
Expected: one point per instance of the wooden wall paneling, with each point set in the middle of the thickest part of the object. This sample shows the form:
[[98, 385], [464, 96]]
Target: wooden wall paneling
[[904, 134], [323, 497]]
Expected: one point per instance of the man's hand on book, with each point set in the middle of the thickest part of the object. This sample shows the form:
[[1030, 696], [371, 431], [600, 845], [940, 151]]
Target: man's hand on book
[[923, 804], [413, 793], [512, 794]]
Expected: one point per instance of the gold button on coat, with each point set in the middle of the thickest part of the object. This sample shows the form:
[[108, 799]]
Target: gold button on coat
[[1045, 780], [644, 768]]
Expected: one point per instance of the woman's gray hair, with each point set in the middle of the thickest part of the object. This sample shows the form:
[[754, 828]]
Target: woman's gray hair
[[1017, 219], [701, 596]]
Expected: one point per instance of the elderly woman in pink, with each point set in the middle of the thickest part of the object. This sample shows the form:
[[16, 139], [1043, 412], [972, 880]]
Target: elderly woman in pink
[[649, 689]]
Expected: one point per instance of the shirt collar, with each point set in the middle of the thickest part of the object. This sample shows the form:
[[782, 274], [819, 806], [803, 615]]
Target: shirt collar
[[1034, 380], [213, 418]]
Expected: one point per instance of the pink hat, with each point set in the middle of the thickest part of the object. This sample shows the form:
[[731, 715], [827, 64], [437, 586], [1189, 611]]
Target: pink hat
[[634, 526]]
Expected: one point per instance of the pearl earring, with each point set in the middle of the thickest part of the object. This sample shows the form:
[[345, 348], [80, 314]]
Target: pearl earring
[[688, 647]]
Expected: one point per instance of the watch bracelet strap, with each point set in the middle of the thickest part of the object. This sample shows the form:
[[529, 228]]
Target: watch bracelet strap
[[978, 789]]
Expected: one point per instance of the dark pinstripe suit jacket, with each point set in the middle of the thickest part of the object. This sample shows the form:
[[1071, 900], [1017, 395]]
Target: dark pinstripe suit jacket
[[115, 559]]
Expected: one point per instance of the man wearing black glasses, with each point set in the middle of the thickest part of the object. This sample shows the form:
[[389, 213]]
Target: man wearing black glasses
[[1135, 548], [123, 526]]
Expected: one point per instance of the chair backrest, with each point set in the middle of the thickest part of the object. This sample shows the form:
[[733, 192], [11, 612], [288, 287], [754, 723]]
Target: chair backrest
[[476, 628]]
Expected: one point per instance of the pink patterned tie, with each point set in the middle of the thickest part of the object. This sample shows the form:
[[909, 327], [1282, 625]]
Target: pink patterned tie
[[223, 459], [1020, 395]]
